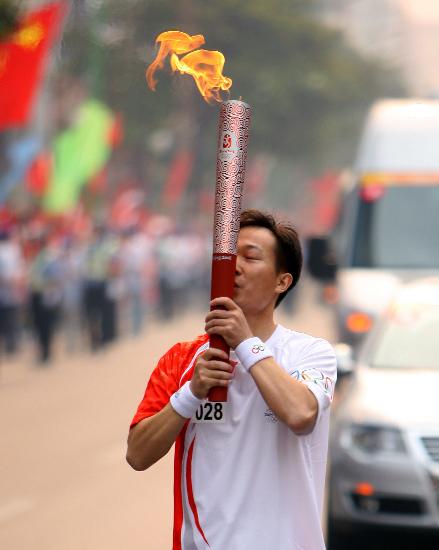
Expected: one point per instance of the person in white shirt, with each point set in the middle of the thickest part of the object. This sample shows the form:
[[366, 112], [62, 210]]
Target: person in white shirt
[[12, 290], [249, 473]]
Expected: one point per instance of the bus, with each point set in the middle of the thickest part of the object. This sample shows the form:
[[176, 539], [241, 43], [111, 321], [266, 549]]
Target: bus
[[388, 228]]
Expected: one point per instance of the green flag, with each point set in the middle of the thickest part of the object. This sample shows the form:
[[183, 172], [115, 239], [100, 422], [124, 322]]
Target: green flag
[[79, 153]]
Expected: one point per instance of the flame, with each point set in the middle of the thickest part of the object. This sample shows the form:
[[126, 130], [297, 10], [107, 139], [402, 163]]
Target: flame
[[205, 66], [174, 42]]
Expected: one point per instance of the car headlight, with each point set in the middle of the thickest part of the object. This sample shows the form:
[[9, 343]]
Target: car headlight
[[371, 439]]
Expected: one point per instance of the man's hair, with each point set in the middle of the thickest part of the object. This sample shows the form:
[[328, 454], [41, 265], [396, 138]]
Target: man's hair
[[288, 251]]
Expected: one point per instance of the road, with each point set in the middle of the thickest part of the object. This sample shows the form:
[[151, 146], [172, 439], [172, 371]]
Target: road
[[64, 482]]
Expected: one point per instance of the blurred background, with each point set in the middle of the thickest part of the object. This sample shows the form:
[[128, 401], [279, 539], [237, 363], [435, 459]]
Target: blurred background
[[106, 212]]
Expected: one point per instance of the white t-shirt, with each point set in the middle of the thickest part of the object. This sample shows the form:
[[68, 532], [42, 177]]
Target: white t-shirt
[[246, 481]]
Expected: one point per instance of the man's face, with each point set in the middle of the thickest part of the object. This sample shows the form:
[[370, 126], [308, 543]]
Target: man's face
[[256, 279]]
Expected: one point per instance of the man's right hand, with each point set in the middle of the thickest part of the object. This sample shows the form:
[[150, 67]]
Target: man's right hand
[[211, 369]]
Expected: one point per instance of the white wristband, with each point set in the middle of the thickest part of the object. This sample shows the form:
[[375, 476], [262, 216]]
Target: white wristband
[[252, 351], [184, 402]]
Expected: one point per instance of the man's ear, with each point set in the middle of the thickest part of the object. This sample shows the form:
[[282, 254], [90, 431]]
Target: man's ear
[[284, 281]]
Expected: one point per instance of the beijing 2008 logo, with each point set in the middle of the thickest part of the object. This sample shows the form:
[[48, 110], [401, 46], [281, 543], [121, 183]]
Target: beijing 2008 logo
[[257, 349], [227, 141]]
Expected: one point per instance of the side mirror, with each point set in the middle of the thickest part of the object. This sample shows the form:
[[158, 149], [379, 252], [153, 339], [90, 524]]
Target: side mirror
[[345, 359], [320, 262]]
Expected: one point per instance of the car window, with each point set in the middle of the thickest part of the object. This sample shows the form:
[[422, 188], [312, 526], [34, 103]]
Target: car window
[[399, 229], [341, 237], [408, 339]]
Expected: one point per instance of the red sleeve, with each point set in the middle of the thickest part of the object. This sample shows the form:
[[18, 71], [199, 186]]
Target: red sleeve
[[165, 379], [162, 384]]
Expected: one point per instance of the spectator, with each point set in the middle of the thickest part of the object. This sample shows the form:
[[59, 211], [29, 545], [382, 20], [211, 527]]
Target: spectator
[[45, 284], [11, 291], [136, 255], [101, 288]]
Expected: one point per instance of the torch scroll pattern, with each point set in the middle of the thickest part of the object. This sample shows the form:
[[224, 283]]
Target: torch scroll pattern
[[234, 126]]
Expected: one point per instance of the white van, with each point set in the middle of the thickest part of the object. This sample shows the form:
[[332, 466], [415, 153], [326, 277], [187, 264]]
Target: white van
[[388, 231]]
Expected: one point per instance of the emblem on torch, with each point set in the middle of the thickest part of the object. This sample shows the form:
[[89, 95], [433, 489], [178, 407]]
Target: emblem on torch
[[227, 140]]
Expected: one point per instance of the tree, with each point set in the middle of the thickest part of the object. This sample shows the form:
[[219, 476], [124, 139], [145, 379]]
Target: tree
[[9, 13], [309, 90]]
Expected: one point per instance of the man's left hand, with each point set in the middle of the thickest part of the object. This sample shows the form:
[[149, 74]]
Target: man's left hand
[[229, 322]]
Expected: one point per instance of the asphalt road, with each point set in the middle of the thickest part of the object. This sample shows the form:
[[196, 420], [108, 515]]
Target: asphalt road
[[64, 482]]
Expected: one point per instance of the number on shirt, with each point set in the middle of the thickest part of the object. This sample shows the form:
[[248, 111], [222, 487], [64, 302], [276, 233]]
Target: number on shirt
[[209, 412]]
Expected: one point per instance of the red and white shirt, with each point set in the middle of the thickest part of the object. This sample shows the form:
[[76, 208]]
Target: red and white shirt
[[242, 479]]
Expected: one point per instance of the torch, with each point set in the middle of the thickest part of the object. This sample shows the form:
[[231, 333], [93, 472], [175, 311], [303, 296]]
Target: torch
[[233, 135], [206, 67]]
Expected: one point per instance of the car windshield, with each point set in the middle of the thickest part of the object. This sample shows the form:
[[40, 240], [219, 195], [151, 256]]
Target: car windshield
[[408, 339], [399, 229]]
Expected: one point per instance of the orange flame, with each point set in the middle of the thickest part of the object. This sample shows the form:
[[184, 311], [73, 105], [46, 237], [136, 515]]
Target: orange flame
[[205, 66]]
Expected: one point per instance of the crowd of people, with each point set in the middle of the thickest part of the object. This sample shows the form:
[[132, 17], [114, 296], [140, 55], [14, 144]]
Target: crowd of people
[[96, 287]]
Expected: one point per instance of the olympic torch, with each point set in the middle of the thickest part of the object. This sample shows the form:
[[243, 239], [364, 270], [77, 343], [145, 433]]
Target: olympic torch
[[233, 136], [206, 67]]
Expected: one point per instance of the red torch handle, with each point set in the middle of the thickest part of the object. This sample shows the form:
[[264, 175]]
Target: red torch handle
[[223, 278], [218, 394]]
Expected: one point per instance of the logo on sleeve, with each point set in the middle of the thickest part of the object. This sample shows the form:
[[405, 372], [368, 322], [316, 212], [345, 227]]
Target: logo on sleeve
[[316, 377]]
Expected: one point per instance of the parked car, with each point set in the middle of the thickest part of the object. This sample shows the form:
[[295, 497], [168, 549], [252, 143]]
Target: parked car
[[384, 444]]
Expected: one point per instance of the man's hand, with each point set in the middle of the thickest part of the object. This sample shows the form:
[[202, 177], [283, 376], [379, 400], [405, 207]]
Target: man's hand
[[211, 369], [228, 322]]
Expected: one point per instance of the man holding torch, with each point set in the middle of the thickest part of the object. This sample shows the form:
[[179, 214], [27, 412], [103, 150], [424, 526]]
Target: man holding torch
[[249, 464], [249, 474]]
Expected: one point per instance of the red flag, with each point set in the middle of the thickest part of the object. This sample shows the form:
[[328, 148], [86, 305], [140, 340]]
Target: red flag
[[22, 62], [98, 183], [257, 176], [326, 201], [178, 177], [115, 133], [127, 206], [38, 174]]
